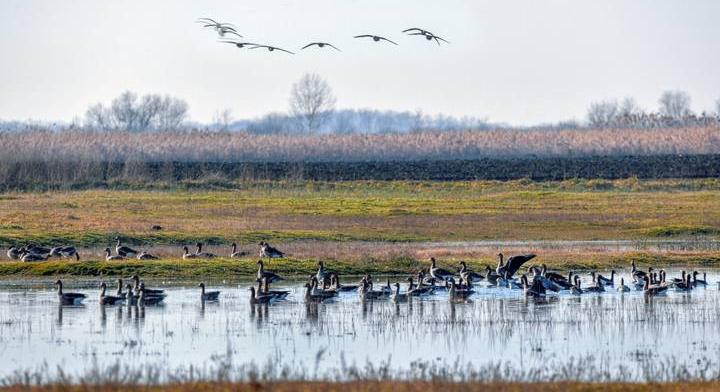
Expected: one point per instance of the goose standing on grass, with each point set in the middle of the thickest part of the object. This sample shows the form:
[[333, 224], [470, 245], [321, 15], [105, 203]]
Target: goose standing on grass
[[63, 251], [38, 250], [109, 299], [234, 253], [109, 256], [14, 253], [187, 255], [28, 257], [622, 288], [124, 251], [653, 289], [439, 273], [146, 256], [268, 251], [69, 298], [208, 295], [264, 274], [201, 254]]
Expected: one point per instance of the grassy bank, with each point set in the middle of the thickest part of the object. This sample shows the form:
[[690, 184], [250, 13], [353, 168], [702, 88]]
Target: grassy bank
[[367, 386], [223, 268], [367, 211]]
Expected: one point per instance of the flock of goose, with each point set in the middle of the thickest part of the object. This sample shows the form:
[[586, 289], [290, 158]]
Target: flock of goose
[[536, 282], [224, 30]]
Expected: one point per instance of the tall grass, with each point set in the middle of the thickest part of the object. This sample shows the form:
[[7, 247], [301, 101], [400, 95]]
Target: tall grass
[[88, 146]]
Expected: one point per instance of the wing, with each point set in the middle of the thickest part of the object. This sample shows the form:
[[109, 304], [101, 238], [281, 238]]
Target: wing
[[438, 39], [234, 33], [363, 36], [308, 45], [286, 51], [208, 20], [392, 42], [258, 46], [334, 47], [414, 29], [515, 262]]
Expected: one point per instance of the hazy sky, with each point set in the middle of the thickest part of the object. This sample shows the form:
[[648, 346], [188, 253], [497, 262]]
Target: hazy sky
[[514, 61]]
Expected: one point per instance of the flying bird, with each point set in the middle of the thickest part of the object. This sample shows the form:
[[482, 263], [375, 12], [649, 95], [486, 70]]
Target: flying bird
[[375, 38], [239, 44], [271, 48], [221, 28], [428, 35], [320, 45]]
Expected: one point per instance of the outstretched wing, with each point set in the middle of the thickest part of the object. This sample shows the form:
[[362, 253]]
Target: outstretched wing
[[233, 32], [414, 29], [440, 39], [281, 49], [308, 45], [515, 262], [364, 36], [334, 47], [385, 39]]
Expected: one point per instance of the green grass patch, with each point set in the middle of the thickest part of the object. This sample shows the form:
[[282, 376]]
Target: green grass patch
[[682, 231]]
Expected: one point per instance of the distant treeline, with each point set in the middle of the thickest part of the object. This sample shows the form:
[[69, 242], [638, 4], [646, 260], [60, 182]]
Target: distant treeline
[[77, 175]]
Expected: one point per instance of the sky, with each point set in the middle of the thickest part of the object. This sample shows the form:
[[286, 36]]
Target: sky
[[518, 62]]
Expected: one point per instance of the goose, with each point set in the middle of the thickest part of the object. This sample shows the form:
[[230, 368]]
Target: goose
[[687, 285], [271, 48], [120, 292], [268, 251], [366, 292], [259, 298], [536, 290], [124, 250], [130, 296], [605, 281], [335, 284], [187, 255], [375, 38], [317, 293], [419, 290], [264, 288], [28, 257], [439, 273], [234, 253], [653, 289], [638, 275], [63, 251], [491, 276], [14, 253], [546, 282], [576, 289], [146, 256], [109, 299], [622, 288], [560, 281], [147, 299], [239, 44], [428, 35], [696, 281], [109, 256], [457, 293], [398, 296], [38, 250], [323, 273], [208, 295], [597, 287], [141, 286], [201, 254], [220, 28], [269, 275], [679, 280], [508, 269], [320, 45], [69, 298], [465, 273]]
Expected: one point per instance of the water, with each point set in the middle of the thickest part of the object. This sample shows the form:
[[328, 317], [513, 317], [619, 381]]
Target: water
[[618, 332]]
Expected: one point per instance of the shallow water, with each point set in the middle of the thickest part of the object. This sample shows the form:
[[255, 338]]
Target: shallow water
[[626, 331]]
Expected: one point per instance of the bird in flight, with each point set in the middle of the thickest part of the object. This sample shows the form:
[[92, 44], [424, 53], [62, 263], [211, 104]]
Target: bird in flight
[[271, 48], [375, 38], [320, 45], [221, 28], [428, 35], [239, 44]]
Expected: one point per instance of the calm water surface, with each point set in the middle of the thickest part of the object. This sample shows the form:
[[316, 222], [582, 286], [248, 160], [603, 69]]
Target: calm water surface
[[496, 326]]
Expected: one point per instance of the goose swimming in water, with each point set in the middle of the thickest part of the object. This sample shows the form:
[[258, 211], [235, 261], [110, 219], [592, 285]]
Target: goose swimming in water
[[259, 298], [68, 298], [124, 251], [701, 282], [366, 292], [622, 288], [264, 288], [417, 291], [268, 251], [141, 286], [109, 299], [576, 289], [466, 273], [264, 274], [109, 256], [457, 293], [208, 295], [335, 284], [147, 299], [507, 269], [398, 296], [439, 273], [686, 285], [605, 281], [653, 289], [597, 286], [536, 290]]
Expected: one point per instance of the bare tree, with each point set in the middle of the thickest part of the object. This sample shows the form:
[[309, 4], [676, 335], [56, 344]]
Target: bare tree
[[675, 104], [603, 114], [223, 119], [127, 112], [311, 101]]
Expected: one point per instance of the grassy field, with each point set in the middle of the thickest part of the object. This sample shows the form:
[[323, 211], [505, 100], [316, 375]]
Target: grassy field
[[367, 386], [332, 221]]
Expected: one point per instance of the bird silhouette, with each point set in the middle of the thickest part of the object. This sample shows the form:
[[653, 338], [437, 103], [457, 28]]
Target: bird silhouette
[[271, 48], [239, 44], [220, 28], [320, 45], [375, 38], [428, 35]]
